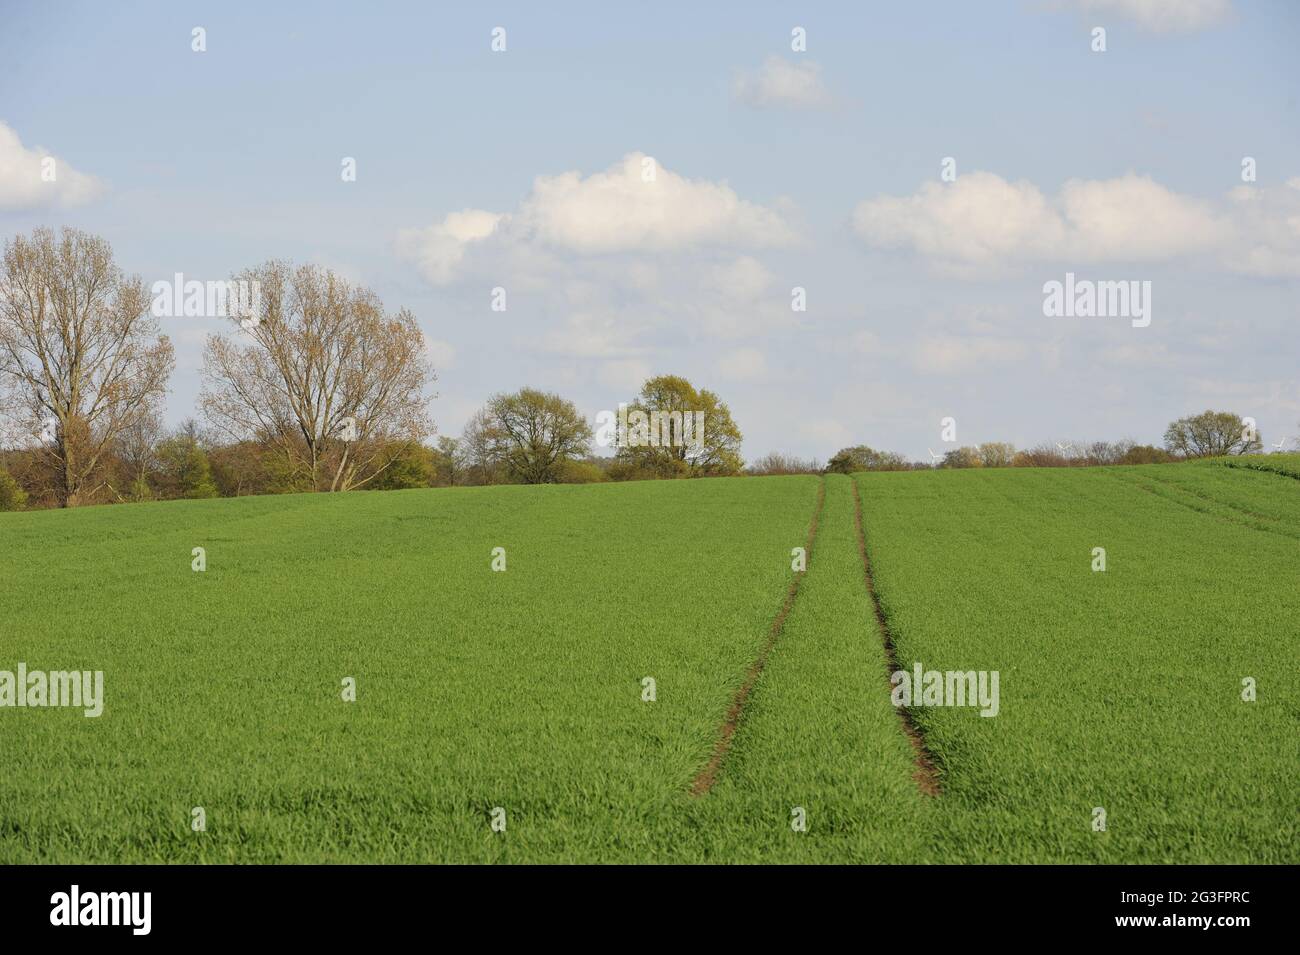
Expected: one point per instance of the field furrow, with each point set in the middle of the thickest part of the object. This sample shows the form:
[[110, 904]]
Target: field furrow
[[1121, 689], [475, 689]]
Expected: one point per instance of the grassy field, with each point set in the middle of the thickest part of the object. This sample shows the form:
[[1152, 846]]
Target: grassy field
[[523, 689]]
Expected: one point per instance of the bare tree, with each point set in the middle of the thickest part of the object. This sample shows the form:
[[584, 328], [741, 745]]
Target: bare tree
[[482, 448], [136, 451], [80, 356], [320, 373]]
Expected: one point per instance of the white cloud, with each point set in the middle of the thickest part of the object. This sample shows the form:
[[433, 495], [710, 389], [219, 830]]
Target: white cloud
[[634, 206], [1162, 16], [743, 364], [743, 279], [782, 83], [619, 210], [979, 220], [439, 249], [982, 223], [1134, 217], [1267, 240], [21, 182]]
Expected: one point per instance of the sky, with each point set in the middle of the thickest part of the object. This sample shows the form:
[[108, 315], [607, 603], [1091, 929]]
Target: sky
[[650, 184]]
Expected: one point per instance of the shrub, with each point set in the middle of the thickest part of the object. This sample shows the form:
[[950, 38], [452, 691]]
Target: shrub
[[12, 497]]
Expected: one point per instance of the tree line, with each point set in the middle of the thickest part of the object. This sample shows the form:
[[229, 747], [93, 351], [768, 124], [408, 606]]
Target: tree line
[[318, 387]]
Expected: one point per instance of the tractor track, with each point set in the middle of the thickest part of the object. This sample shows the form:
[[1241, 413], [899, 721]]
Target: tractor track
[[926, 772], [707, 776]]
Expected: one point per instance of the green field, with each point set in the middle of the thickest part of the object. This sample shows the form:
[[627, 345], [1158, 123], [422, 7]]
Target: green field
[[523, 689]]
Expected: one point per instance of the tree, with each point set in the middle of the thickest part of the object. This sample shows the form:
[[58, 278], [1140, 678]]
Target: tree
[[481, 450], [325, 376], [1212, 433], [413, 467], [183, 468], [135, 450], [675, 430], [997, 454], [863, 458], [533, 434], [962, 458], [1145, 454], [81, 358], [12, 496], [449, 461]]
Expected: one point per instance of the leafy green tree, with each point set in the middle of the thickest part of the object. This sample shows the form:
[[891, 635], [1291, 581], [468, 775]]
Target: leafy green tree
[[1212, 433], [183, 468], [662, 441], [534, 434], [12, 496], [411, 466]]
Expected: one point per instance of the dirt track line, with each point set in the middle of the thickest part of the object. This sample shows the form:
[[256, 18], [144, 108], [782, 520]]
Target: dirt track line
[[1170, 495], [926, 774], [707, 776]]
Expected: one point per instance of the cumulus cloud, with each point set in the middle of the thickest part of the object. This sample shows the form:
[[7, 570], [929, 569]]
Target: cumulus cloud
[[439, 249], [782, 84], [24, 173], [639, 205], [636, 205], [1162, 16], [983, 224], [742, 279], [1267, 239]]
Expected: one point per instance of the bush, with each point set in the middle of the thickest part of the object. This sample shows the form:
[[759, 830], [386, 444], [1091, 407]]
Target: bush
[[12, 497], [575, 471], [863, 458], [777, 463], [413, 466], [963, 458], [1146, 454], [184, 470]]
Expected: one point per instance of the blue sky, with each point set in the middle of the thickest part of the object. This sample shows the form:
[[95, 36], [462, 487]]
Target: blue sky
[[818, 169]]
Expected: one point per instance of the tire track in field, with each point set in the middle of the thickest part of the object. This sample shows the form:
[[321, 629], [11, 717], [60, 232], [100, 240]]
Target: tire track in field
[[1168, 491], [926, 774], [707, 776]]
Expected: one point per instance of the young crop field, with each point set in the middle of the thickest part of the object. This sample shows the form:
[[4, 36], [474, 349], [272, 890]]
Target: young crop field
[[641, 672]]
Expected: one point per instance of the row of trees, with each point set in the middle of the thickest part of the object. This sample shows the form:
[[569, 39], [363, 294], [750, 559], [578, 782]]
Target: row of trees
[[319, 388], [316, 388], [1208, 434], [527, 437]]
